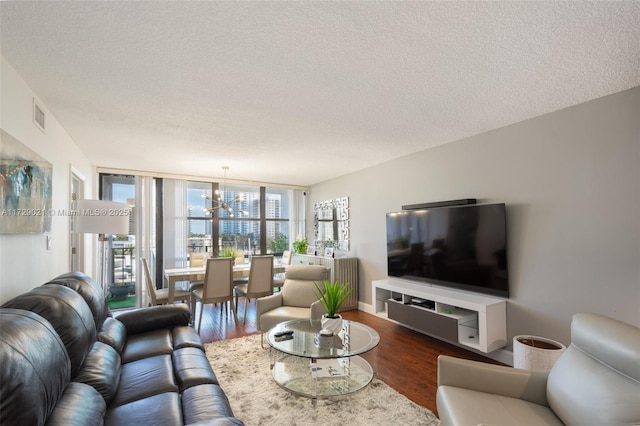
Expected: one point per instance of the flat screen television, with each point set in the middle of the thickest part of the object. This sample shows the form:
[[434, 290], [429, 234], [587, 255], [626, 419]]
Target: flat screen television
[[463, 247]]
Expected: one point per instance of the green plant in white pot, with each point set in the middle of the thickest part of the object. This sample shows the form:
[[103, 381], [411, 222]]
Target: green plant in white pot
[[300, 246], [331, 297]]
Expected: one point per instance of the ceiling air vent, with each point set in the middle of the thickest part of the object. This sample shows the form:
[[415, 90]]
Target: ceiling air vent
[[38, 115]]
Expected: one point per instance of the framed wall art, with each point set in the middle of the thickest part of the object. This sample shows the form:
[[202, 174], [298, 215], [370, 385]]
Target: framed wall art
[[25, 189]]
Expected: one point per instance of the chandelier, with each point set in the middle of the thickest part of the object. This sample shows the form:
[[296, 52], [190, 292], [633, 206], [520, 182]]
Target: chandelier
[[218, 201]]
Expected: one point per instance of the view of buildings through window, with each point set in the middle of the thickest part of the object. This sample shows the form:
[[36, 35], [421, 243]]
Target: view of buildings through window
[[242, 228]]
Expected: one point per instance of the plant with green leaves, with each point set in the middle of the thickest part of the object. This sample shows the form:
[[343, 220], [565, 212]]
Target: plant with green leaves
[[279, 244], [300, 246], [228, 251], [332, 297]]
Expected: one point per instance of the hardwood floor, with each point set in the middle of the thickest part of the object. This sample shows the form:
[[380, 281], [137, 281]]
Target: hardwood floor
[[405, 360]]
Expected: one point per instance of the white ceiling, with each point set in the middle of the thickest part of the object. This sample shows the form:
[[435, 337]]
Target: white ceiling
[[301, 92]]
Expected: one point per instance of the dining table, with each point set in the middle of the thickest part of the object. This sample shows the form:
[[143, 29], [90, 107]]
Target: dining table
[[174, 275]]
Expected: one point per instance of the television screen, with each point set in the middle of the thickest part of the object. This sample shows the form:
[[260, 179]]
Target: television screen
[[463, 247]]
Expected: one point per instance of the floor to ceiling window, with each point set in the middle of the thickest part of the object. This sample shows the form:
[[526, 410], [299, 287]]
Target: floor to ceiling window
[[192, 216], [122, 276]]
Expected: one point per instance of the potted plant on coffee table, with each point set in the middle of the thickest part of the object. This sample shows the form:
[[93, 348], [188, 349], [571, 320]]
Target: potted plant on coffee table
[[331, 297]]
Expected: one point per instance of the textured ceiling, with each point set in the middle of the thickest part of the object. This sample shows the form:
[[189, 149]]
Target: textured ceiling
[[300, 92]]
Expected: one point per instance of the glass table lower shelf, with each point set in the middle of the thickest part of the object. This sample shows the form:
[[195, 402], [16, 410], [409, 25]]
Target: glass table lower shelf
[[321, 378]]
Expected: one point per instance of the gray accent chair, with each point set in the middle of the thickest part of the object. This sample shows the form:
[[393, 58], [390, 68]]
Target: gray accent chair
[[596, 381], [296, 299]]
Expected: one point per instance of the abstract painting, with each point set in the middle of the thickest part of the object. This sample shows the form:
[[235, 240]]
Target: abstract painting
[[25, 189]]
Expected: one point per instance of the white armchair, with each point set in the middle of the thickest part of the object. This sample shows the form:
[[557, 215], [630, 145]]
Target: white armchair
[[296, 299], [596, 381]]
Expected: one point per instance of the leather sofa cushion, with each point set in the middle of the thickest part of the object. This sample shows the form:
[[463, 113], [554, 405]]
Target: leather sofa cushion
[[204, 402], [158, 410], [144, 378], [69, 315], [89, 290], [192, 368], [152, 318], [459, 406], [101, 370], [113, 334], [186, 337], [80, 405], [31, 381], [144, 345]]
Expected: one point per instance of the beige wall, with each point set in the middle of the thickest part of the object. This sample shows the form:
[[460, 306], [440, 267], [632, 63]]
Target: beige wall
[[571, 182], [25, 261]]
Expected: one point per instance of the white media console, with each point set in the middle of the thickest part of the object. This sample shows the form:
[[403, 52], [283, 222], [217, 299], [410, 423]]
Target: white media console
[[469, 319]]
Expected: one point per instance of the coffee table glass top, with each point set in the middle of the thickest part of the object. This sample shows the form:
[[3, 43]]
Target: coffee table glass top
[[353, 339]]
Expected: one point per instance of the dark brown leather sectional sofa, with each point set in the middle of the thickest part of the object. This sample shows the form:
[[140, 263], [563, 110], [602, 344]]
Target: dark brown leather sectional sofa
[[64, 360]]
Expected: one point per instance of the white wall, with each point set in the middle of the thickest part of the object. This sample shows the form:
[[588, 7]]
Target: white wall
[[25, 262], [571, 182]]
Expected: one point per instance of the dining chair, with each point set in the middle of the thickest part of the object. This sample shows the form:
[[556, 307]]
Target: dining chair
[[278, 279], [260, 282], [239, 261], [196, 260], [161, 296], [218, 286]]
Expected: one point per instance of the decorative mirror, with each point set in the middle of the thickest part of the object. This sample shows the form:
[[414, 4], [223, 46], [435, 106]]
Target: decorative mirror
[[332, 224]]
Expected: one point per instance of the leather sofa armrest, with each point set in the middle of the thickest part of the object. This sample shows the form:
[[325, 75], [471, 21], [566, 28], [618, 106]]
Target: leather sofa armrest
[[154, 318], [268, 303], [494, 379]]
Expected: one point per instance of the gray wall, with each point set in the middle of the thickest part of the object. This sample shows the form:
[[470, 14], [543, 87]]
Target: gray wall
[[571, 183]]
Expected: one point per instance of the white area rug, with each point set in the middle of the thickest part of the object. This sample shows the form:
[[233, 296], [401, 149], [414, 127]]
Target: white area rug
[[242, 368]]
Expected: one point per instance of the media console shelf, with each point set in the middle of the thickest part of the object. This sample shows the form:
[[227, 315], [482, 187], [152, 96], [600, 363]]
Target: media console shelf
[[473, 320]]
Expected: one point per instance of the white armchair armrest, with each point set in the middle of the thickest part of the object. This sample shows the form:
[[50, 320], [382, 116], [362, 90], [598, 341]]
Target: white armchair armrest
[[268, 303], [495, 379]]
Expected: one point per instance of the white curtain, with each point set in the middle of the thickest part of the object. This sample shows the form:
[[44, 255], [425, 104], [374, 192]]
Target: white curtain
[[144, 238], [297, 215], [175, 226]]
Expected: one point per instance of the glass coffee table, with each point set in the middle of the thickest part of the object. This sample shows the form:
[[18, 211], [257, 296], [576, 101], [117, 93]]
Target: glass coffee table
[[333, 368]]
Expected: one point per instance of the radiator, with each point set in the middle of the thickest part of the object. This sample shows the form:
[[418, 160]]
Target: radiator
[[344, 270]]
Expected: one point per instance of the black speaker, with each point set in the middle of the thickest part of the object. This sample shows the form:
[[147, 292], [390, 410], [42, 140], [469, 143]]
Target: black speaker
[[462, 202]]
